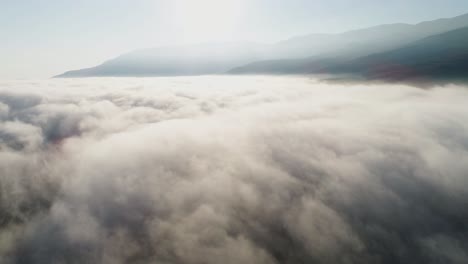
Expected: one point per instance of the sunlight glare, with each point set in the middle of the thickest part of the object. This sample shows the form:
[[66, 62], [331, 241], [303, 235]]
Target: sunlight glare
[[204, 20]]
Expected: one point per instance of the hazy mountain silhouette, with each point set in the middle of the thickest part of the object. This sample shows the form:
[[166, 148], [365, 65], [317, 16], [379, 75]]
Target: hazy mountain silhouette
[[305, 54], [365, 41], [288, 66], [442, 57], [439, 57], [340, 48], [213, 58]]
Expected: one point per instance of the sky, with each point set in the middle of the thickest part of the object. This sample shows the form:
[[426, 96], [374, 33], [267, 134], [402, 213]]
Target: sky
[[40, 39]]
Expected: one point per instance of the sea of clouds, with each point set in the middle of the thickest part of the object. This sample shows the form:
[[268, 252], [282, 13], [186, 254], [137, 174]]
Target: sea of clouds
[[232, 170]]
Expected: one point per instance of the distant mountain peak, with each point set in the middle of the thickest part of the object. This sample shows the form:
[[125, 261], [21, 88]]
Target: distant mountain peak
[[216, 58]]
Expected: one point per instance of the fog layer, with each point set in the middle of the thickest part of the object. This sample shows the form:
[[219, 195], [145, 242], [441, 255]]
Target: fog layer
[[232, 170]]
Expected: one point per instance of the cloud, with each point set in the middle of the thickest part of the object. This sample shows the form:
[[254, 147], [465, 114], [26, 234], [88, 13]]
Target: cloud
[[232, 170]]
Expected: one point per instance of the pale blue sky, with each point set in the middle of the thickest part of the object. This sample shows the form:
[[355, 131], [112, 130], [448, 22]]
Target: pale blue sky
[[43, 38]]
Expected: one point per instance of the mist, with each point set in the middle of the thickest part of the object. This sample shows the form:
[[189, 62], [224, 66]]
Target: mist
[[232, 169]]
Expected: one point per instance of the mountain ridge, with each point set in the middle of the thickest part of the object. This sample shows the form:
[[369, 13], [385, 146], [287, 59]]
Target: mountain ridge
[[439, 57], [219, 58]]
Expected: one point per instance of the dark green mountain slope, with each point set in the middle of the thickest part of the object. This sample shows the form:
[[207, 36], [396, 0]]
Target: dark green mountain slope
[[439, 57], [442, 57]]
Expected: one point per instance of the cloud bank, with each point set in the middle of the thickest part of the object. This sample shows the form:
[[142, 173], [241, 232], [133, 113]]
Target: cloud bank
[[232, 170]]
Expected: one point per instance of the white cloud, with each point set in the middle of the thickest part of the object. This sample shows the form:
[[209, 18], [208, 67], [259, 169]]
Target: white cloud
[[232, 169]]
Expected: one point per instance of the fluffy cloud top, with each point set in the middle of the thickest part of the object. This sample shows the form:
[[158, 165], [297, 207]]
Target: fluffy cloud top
[[232, 170]]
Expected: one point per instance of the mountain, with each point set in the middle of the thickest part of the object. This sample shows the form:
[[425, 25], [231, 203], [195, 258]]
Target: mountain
[[439, 57], [304, 54], [442, 57], [365, 41], [288, 66], [198, 59], [328, 50]]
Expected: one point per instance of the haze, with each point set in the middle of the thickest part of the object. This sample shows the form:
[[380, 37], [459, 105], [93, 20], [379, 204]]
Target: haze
[[42, 39], [234, 132]]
